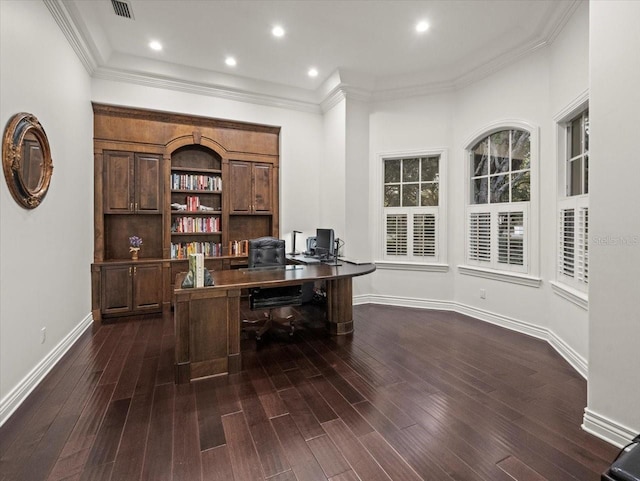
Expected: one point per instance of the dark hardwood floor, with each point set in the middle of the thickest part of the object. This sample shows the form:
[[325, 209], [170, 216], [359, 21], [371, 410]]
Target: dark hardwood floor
[[412, 395]]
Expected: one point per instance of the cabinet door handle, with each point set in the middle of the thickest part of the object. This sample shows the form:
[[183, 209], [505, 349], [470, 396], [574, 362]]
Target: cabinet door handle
[[136, 206], [129, 271], [131, 206], [135, 271]]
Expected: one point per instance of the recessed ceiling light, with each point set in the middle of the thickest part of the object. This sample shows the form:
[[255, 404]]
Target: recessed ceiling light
[[230, 61], [422, 27], [312, 72], [278, 31], [155, 45]]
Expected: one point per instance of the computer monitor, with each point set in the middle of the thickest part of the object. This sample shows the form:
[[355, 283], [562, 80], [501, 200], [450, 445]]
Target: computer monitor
[[325, 243]]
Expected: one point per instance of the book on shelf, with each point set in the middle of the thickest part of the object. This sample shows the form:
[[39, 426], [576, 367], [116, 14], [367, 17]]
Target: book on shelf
[[239, 248], [195, 225], [181, 250], [196, 267], [193, 203], [211, 183]]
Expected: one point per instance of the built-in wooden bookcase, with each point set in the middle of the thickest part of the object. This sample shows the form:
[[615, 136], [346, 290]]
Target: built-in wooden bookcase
[[196, 202], [176, 181]]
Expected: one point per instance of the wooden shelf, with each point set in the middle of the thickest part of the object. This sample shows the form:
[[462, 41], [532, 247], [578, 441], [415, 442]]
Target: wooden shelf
[[242, 258], [196, 212], [196, 170]]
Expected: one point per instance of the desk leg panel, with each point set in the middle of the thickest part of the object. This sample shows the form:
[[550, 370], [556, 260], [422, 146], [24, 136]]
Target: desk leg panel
[[340, 306], [182, 336], [233, 326]]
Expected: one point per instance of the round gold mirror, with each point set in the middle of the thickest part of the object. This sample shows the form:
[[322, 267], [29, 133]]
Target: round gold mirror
[[26, 160]]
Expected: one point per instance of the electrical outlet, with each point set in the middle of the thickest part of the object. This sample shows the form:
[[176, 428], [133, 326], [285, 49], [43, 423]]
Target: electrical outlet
[[483, 294], [43, 335]]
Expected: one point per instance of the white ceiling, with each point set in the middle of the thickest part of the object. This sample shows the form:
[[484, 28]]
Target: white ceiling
[[370, 45]]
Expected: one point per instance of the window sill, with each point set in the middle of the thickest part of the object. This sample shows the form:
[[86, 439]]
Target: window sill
[[572, 295], [412, 266], [511, 277]]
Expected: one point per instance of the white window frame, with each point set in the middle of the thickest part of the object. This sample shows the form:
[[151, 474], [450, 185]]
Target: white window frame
[[573, 288], [437, 263], [529, 273]]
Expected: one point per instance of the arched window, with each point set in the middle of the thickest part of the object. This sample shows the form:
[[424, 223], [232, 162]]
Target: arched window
[[498, 231]]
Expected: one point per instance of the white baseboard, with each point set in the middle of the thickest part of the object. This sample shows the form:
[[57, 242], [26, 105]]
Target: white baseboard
[[402, 302], [502, 321], [606, 429], [578, 362], [18, 394]]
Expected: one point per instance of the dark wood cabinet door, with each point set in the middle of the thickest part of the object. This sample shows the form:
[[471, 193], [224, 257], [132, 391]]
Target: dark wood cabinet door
[[240, 188], [148, 192], [117, 295], [147, 287], [262, 188], [118, 182]]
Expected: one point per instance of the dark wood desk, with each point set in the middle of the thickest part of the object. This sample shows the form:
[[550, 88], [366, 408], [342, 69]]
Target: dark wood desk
[[207, 319]]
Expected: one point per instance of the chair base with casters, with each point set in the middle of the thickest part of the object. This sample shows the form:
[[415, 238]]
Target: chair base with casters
[[276, 302], [270, 252]]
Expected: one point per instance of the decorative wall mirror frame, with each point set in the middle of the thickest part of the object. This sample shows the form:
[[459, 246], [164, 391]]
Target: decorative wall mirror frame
[[26, 160]]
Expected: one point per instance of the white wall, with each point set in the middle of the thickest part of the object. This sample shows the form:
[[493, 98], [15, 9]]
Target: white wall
[[46, 252], [569, 79], [519, 92], [332, 169], [409, 125], [614, 316], [531, 90]]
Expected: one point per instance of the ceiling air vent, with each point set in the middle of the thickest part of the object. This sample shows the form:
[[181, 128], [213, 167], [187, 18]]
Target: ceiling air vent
[[122, 9]]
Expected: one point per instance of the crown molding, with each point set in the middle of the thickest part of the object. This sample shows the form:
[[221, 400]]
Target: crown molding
[[333, 98], [342, 92], [498, 63], [68, 24], [413, 91], [552, 29], [201, 88]]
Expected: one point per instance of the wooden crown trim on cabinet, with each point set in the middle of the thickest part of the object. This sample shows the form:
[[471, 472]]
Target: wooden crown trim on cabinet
[[171, 117], [186, 148]]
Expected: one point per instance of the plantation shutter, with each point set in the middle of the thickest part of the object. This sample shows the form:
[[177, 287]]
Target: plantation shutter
[[396, 225], [424, 235], [480, 236], [567, 249], [582, 246], [511, 238]]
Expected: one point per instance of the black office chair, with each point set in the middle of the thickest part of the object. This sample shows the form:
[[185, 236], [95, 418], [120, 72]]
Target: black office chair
[[265, 252]]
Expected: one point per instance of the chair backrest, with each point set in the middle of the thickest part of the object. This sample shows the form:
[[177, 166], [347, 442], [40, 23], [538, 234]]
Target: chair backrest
[[266, 252]]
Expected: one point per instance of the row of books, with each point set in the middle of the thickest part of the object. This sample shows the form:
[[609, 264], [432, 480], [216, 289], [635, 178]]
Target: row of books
[[193, 202], [196, 268], [200, 224], [181, 250], [195, 182], [239, 248]]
